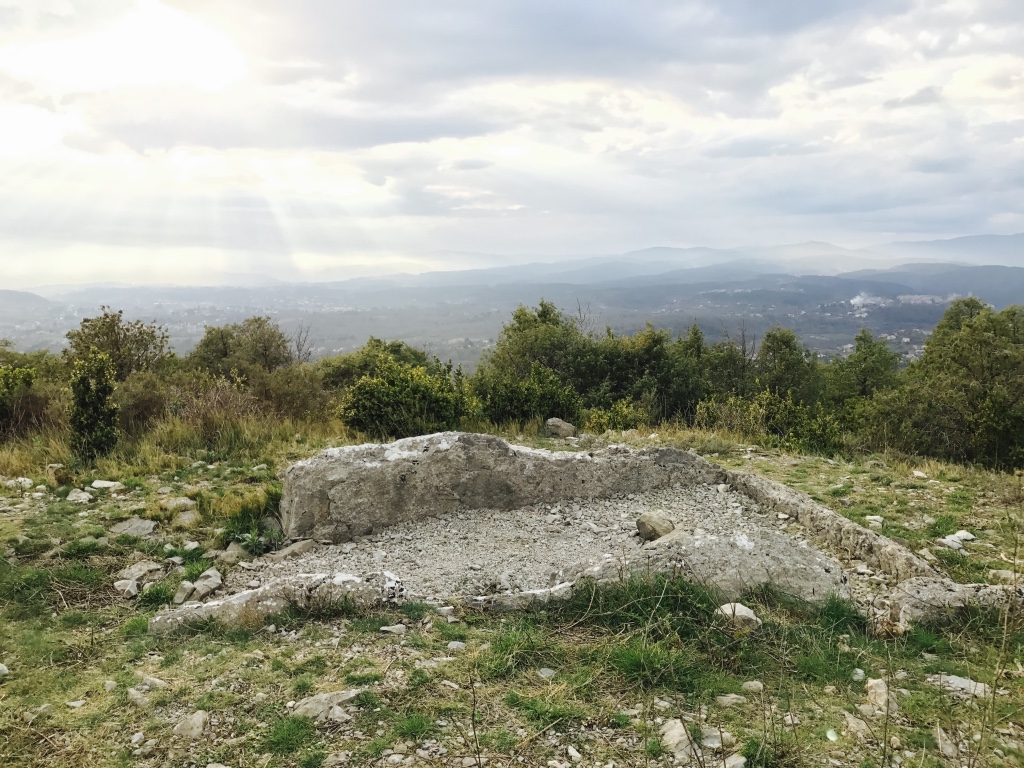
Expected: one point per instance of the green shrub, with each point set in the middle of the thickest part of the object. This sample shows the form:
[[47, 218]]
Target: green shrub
[[93, 415], [141, 400], [14, 384], [774, 418], [401, 401], [294, 391], [623, 414], [340, 372], [542, 395]]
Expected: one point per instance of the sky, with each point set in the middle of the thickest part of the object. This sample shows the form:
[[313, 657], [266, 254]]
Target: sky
[[176, 141]]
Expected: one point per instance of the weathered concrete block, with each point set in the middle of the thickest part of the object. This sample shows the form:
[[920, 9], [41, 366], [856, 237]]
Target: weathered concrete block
[[356, 490]]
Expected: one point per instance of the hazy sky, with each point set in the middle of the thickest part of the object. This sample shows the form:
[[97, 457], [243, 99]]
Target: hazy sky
[[161, 141]]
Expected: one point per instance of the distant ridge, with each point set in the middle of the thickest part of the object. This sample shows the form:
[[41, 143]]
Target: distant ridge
[[1006, 250]]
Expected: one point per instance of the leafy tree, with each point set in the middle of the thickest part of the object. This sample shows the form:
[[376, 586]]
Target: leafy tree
[[647, 368], [254, 345], [130, 347], [784, 366], [849, 383], [343, 371], [401, 401], [93, 415], [728, 369], [544, 336], [964, 399]]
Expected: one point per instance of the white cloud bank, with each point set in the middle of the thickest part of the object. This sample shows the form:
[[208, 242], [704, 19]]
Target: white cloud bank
[[152, 141]]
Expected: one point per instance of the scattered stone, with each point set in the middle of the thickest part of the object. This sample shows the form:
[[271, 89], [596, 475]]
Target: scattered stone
[[20, 482], [675, 738], [730, 700], [964, 536], [108, 485], [951, 542], [191, 546], [233, 554], [41, 711], [653, 526], [716, 738], [946, 745], [755, 687], [109, 686], [4, 671], [740, 616], [395, 629], [456, 645], [76, 704], [1003, 577], [921, 598], [321, 706], [138, 738], [858, 675], [78, 496], [193, 726], [546, 672], [878, 696], [187, 518], [138, 698], [573, 754], [127, 588], [260, 468], [920, 475], [185, 590], [735, 761], [134, 527], [154, 682], [165, 490], [209, 581], [559, 428], [177, 503], [144, 571], [856, 726], [963, 686], [292, 550]]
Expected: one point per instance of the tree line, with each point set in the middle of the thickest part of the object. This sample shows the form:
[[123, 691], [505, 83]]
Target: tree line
[[118, 382]]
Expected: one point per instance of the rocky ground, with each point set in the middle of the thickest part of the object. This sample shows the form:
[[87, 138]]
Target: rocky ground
[[652, 675]]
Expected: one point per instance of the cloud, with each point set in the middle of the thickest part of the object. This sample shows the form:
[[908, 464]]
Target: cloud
[[930, 95], [362, 133]]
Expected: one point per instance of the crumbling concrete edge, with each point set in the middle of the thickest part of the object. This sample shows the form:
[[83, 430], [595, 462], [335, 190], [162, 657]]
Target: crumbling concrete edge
[[921, 591], [831, 528]]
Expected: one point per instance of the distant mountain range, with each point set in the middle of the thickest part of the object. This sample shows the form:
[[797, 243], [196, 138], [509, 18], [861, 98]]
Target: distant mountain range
[[698, 263], [823, 291]]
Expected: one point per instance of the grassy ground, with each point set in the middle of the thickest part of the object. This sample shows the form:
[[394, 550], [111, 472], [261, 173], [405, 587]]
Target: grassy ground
[[625, 658]]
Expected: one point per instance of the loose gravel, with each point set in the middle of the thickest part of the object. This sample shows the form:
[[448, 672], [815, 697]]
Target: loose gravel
[[482, 552]]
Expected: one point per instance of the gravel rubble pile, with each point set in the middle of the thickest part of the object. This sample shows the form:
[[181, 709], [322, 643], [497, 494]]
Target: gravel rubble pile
[[481, 552]]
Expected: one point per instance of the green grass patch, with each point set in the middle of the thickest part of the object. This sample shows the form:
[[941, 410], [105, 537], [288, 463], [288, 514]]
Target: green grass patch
[[288, 735], [544, 711], [414, 726]]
